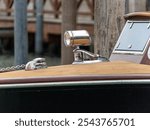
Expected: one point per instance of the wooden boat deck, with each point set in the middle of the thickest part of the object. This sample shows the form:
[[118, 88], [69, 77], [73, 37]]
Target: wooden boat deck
[[105, 68], [17, 96], [83, 72]]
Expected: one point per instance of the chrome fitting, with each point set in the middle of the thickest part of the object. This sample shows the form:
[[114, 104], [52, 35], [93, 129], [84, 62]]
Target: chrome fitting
[[81, 38], [37, 63]]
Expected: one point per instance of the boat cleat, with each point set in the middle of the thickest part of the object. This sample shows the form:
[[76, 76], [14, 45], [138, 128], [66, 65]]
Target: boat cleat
[[37, 63]]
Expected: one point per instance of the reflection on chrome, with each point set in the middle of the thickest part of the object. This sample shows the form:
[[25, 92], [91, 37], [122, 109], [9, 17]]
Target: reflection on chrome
[[77, 38], [81, 38]]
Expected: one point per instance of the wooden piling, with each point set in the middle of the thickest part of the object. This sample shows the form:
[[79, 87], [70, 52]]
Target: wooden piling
[[20, 32], [137, 5], [69, 13], [39, 27], [109, 22]]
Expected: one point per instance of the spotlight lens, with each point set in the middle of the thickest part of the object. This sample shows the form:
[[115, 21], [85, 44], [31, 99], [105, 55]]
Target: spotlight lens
[[77, 38], [67, 39]]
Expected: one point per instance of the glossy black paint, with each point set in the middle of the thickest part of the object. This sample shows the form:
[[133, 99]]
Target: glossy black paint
[[102, 98]]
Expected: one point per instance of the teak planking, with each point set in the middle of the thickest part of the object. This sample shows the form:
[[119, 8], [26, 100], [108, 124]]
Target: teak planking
[[104, 68]]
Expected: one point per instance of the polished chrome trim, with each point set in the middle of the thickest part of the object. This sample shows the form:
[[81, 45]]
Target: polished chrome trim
[[129, 52], [77, 38], [137, 21], [74, 83]]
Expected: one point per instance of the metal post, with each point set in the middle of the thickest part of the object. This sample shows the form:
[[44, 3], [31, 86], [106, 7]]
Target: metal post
[[20, 32], [39, 27]]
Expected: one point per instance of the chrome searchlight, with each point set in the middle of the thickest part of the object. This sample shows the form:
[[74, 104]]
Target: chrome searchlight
[[77, 38], [81, 38]]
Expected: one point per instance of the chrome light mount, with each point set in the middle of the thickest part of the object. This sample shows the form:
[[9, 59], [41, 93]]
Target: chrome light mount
[[79, 38]]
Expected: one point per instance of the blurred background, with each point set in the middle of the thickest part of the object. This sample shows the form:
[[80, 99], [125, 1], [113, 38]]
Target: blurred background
[[51, 28], [39, 25]]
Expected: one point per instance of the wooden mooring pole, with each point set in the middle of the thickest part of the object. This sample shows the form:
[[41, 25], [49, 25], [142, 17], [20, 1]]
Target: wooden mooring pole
[[69, 13], [137, 5], [39, 27], [109, 22], [20, 32]]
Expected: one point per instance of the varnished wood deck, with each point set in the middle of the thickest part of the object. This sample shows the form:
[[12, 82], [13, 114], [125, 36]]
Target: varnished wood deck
[[85, 72], [105, 68]]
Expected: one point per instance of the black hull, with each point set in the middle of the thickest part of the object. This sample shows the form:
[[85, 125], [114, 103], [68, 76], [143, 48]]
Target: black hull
[[122, 98]]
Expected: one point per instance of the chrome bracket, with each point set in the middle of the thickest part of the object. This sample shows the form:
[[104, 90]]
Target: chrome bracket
[[83, 57]]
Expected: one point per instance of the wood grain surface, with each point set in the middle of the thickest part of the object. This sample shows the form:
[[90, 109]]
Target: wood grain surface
[[104, 68], [137, 16]]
